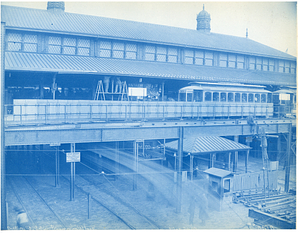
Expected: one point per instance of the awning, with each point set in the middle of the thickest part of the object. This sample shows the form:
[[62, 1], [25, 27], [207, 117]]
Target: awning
[[207, 144], [67, 64], [217, 172]]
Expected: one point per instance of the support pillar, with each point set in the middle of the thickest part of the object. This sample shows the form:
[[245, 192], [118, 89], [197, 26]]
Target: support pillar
[[247, 158], [229, 161], [236, 155], [278, 148], [117, 159], [72, 179], [136, 157], [287, 164], [57, 166], [192, 166], [179, 172]]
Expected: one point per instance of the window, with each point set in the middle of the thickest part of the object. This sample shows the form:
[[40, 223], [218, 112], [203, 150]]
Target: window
[[105, 49], [130, 51], [216, 96], [293, 67], [118, 50], [207, 96], [244, 97], [14, 41], [240, 62], [150, 53], [252, 63], [271, 65], [263, 98], [83, 47], [54, 44], [69, 46], [189, 96], [230, 97], [188, 56], [209, 58], [161, 53], [30, 43], [287, 65], [198, 95], [238, 97], [257, 98], [232, 61], [259, 63], [281, 66], [269, 100], [265, 64], [250, 98], [223, 60], [223, 97], [182, 96], [172, 55], [199, 57]]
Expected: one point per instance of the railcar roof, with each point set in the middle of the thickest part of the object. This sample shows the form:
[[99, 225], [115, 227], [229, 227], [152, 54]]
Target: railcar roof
[[224, 89], [87, 25]]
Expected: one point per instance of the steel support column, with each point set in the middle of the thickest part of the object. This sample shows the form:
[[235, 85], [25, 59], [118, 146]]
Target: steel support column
[[287, 164], [278, 148], [179, 172], [191, 166], [57, 166], [72, 179], [236, 156]]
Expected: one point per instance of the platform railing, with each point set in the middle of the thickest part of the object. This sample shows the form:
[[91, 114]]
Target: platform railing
[[57, 113]]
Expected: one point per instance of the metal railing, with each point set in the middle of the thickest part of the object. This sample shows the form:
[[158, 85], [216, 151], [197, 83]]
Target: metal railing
[[55, 113]]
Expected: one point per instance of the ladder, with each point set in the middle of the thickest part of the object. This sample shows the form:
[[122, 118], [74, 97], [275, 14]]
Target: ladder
[[99, 90]]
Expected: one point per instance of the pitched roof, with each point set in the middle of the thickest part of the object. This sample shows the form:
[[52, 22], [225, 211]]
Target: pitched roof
[[207, 144], [87, 25], [79, 64]]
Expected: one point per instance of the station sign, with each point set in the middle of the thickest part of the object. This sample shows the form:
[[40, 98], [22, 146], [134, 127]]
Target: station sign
[[73, 157]]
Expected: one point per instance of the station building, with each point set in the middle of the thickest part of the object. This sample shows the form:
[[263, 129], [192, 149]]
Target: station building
[[54, 59]]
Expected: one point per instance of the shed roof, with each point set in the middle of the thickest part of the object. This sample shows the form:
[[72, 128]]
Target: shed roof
[[207, 144], [217, 172], [107, 66], [87, 25]]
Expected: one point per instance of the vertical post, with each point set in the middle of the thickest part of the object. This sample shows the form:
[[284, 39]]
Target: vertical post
[[287, 164], [57, 166], [117, 160], [229, 161], [278, 148], [191, 166], [264, 145], [163, 91], [72, 179], [179, 172], [3, 176], [213, 159], [236, 155], [54, 86], [89, 205], [247, 158], [135, 153]]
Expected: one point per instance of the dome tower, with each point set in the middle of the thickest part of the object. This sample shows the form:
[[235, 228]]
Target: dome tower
[[203, 21]]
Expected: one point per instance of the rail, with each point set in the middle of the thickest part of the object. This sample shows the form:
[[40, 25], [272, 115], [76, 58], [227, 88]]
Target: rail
[[57, 112]]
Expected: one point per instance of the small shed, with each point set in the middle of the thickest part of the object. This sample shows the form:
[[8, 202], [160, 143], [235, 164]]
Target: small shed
[[219, 180]]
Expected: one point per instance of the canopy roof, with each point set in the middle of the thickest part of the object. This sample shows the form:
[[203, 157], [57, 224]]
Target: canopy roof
[[67, 64], [207, 144], [217, 172]]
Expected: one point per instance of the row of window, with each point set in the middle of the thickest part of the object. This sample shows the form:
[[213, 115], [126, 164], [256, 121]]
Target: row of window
[[129, 50], [197, 96]]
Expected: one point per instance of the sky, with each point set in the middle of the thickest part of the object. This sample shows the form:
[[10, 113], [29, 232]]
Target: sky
[[270, 23]]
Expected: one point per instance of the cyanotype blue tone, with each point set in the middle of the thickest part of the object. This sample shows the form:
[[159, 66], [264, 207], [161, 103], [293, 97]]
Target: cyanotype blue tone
[[113, 124]]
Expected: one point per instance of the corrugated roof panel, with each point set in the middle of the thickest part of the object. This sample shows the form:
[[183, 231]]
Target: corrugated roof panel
[[82, 64], [207, 144], [17, 17]]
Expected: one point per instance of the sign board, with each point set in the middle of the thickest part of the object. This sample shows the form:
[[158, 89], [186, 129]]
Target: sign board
[[137, 91], [284, 96], [73, 157]]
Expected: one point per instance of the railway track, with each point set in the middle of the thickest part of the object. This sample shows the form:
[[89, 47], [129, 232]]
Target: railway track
[[40, 214]]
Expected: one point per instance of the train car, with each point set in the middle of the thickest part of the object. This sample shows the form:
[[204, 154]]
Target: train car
[[284, 101], [228, 99]]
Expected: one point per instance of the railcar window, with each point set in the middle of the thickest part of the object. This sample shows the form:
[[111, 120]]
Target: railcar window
[[244, 97], [263, 98], [269, 100], [230, 97], [189, 97], [198, 96], [250, 98], [216, 96], [223, 97], [182, 96], [207, 96], [237, 97], [257, 98]]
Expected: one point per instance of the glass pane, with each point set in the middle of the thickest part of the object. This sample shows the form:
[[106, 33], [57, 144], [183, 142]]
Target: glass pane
[[240, 58], [54, 40], [216, 96], [172, 59], [182, 96], [230, 97], [69, 50], [199, 61], [244, 97], [208, 62], [14, 37], [263, 98], [104, 53], [188, 53], [223, 63], [188, 60], [130, 55], [198, 96], [189, 97], [30, 48], [257, 98], [150, 49], [131, 47], [118, 46], [149, 57], [232, 57], [207, 96], [172, 51], [69, 41], [118, 54], [252, 59], [199, 54], [209, 55], [223, 56], [258, 60], [13, 46], [250, 98], [83, 43], [231, 64], [238, 97], [223, 97], [271, 68], [54, 49], [269, 98], [83, 51], [28, 38], [105, 44], [240, 65], [161, 57], [275, 99], [161, 50]]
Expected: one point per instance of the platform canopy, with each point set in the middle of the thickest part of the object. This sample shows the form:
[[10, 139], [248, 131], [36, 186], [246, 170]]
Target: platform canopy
[[207, 144]]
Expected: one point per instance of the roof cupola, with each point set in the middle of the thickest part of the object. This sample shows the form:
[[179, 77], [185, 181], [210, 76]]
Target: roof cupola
[[56, 6], [203, 21]]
